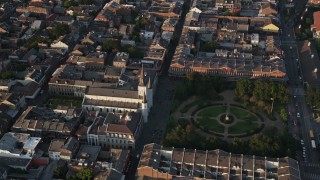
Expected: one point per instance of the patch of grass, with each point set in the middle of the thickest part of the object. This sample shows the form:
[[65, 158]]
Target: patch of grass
[[242, 127], [213, 111], [243, 114], [190, 105], [210, 125]]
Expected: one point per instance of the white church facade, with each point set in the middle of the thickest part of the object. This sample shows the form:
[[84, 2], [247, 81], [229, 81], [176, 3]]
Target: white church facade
[[129, 95]]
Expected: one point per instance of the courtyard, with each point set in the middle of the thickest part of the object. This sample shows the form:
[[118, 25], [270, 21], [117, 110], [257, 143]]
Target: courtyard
[[55, 101]]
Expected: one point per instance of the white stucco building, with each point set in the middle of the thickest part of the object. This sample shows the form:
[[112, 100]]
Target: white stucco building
[[115, 130], [128, 96]]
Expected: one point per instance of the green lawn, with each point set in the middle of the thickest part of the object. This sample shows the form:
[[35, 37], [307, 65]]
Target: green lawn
[[213, 111], [243, 114], [190, 105], [55, 101], [210, 124], [242, 127]]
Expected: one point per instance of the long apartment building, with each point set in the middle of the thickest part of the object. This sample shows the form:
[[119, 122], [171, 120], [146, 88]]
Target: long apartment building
[[174, 163]]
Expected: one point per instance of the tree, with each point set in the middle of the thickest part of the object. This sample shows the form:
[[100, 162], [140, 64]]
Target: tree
[[60, 172], [111, 44], [133, 51], [85, 2], [83, 174], [209, 46], [68, 3], [283, 114], [244, 86], [308, 21], [59, 29], [6, 75]]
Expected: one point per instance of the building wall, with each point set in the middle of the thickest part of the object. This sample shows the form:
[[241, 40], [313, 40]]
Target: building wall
[[113, 140], [67, 89], [106, 109], [109, 98], [150, 172]]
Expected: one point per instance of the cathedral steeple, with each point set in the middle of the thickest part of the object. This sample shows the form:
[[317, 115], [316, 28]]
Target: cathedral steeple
[[141, 80]]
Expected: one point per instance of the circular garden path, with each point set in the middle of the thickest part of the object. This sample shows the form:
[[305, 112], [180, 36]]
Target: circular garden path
[[209, 119]]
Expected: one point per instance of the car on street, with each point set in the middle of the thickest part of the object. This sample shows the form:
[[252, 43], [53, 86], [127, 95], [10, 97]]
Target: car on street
[[302, 142], [298, 115], [304, 156]]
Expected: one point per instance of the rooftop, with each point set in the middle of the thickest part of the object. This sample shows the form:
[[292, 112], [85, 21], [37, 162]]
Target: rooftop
[[88, 153], [124, 123], [316, 21], [195, 162], [15, 143]]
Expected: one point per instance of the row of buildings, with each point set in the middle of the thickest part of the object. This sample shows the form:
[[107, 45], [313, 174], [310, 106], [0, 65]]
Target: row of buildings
[[24, 157], [245, 43], [116, 88], [176, 163]]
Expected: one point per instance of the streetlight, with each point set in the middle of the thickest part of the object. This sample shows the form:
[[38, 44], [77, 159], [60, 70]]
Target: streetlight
[[272, 104]]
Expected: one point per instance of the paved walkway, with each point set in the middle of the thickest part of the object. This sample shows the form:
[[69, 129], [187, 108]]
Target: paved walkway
[[228, 100]]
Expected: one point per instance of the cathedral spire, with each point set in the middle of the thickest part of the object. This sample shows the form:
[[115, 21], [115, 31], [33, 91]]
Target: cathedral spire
[[141, 80]]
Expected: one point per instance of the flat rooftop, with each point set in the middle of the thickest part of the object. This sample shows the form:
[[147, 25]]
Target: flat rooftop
[[88, 152]]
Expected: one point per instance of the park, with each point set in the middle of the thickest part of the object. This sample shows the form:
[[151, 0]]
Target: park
[[246, 116], [225, 118]]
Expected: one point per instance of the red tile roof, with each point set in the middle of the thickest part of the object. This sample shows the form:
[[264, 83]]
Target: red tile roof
[[314, 1], [316, 19]]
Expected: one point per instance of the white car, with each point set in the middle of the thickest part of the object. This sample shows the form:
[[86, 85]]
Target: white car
[[302, 142], [304, 156], [298, 115]]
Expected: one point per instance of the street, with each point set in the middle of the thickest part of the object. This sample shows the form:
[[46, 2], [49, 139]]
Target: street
[[154, 130], [310, 164], [157, 122]]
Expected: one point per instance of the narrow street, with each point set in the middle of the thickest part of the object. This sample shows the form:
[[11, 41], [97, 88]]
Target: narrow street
[[160, 111]]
